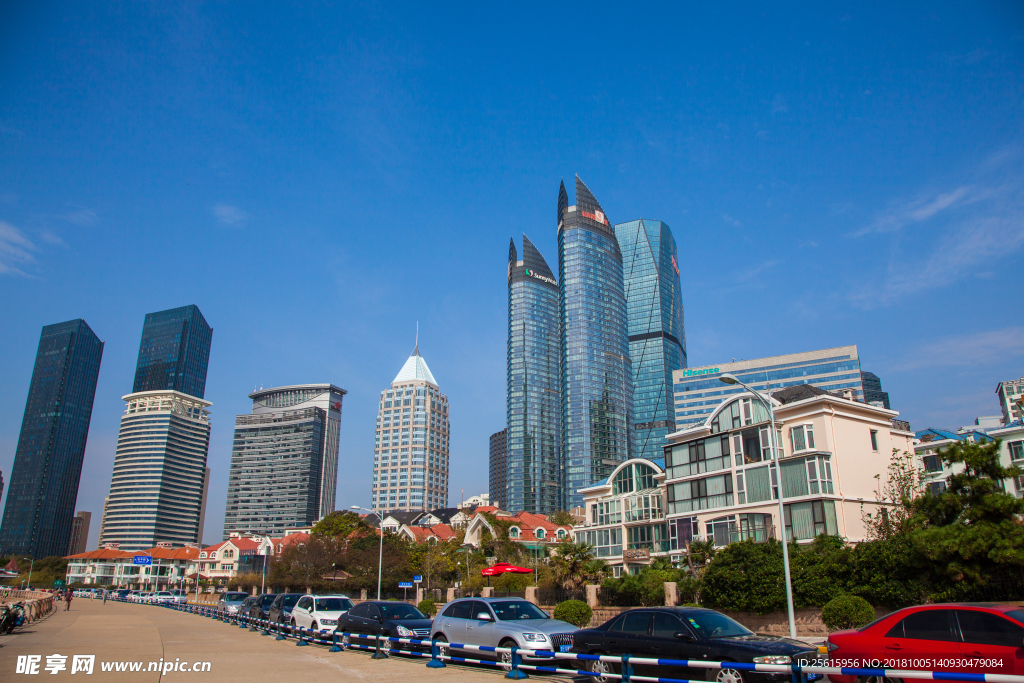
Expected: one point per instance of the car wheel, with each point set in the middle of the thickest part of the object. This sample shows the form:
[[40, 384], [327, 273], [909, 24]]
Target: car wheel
[[385, 644], [315, 626], [505, 658], [601, 670], [345, 642], [442, 645], [725, 675]]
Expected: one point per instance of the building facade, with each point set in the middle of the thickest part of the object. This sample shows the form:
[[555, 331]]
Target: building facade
[[595, 372], [533, 480], [48, 460], [79, 533], [934, 472], [657, 340], [698, 391], [174, 352], [156, 492], [410, 455], [114, 567], [284, 460], [873, 389], [1011, 400], [497, 465]]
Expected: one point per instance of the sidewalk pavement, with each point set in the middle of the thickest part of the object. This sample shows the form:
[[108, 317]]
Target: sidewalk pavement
[[121, 631]]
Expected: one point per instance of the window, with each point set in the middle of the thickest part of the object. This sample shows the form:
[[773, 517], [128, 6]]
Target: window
[[636, 623], [931, 463], [805, 521], [874, 440], [513, 532], [720, 530], [936, 487], [606, 542], [1016, 450], [756, 526], [697, 457], [986, 628], [819, 475], [561, 533], [653, 537], [755, 484], [539, 533], [802, 438], [930, 624], [666, 625], [682, 531], [700, 494]]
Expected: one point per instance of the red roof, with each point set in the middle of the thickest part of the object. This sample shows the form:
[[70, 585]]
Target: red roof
[[102, 554], [440, 532]]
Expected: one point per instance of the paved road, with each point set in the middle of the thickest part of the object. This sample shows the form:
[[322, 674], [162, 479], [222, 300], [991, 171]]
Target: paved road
[[144, 633]]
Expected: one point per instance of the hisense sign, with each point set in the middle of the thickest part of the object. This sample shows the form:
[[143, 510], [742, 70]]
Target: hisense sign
[[694, 373]]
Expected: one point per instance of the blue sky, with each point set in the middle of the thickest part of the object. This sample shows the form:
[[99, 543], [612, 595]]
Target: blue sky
[[317, 178]]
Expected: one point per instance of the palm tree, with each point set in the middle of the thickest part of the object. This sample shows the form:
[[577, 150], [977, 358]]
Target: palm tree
[[570, 563]]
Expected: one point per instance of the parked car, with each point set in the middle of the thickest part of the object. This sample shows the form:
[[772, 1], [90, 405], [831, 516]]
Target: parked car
[[502, 622], [231, 601], [281, 608], [991, 636], [388, 618], [317, 611], [259, 608], [162, 597], [689, 633], [179, 596]]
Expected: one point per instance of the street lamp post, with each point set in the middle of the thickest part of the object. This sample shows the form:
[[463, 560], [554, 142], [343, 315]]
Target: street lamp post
[[729, 378], [380, 561]]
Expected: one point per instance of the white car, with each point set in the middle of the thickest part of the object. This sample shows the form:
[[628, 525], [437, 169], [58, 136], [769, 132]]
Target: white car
[[161, 597], [319, 611], [178, 596]]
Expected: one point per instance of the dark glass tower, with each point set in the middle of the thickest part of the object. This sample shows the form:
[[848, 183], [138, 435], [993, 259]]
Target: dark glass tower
[[48, 461], [498, 467], [533, 479], [657, 342], [596, 376], [873, 389], [174, 352]]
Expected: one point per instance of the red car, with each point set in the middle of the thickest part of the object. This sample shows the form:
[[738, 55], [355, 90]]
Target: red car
[[972, 637], [502, 567]]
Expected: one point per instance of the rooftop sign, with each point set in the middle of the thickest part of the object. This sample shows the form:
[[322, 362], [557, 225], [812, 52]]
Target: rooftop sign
[[540, 277], [694, 373]]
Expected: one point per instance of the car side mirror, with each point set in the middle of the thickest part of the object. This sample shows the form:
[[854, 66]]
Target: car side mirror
[[483, 616], [685, 637]]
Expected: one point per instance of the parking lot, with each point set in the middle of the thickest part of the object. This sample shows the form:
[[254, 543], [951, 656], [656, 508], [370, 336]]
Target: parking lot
[[130, 633]]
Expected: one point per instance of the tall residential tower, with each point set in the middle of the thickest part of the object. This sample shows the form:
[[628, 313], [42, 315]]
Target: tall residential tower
[[174, 352], [533, 476], [48, 460], [596, 375], [657, 342], [284, 462], [410, 455]]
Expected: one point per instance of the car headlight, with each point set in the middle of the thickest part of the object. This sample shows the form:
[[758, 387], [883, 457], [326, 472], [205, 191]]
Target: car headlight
[[329, 622], [405, 632], [535, 637], [774, 659]]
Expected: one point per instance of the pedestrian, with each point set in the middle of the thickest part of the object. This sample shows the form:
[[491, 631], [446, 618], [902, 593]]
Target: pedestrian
[[104, 596], [67, 600]]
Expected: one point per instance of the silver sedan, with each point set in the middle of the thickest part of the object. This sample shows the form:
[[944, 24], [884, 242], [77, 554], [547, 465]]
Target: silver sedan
[[501, 622]]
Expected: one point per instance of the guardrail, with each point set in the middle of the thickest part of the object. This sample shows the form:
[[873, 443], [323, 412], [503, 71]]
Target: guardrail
[[511, 658]]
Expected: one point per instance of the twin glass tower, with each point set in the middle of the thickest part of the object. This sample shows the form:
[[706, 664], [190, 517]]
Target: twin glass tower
[[590, 355]]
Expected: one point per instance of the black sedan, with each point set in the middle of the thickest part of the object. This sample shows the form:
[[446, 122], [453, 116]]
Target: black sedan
[[280, 610], [387, 618], [259, 606], [692, 634]]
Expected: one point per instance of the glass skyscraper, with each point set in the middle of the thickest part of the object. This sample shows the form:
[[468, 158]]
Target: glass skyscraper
[[533, 476], [174, 352], [657, 342], [284, 462], [48, 460], [596, 375], [497, 471]]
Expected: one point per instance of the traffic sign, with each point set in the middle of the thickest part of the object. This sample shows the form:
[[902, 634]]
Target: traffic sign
[[142, 559], [417, 579], [405, 584], [58, 583]]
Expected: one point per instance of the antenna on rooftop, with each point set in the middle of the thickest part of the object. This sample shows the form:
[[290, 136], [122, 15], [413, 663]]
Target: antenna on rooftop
[[417, 334]]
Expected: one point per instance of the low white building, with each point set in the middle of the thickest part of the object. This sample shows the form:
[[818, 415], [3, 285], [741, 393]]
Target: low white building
[[934, 473], [112, 567]]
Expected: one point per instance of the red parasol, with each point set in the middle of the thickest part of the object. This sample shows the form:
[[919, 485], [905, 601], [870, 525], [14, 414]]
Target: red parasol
[[503, 567]]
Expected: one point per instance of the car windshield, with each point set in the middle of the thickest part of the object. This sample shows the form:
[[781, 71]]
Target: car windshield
[[333, 604], [234, 597], [267, 600], [510, 610], [865, 627], [290, 600], [715, 625], [400, 610], [1016, 614]]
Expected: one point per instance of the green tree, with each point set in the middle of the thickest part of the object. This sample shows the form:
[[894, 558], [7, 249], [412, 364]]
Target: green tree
[[562, 518], [570, 564], [895, 497], [971, 532], [745, 576], [339, 523]]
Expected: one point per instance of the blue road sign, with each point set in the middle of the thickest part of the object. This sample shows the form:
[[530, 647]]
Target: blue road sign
[[405, 584], [142, 559], [417, 579]]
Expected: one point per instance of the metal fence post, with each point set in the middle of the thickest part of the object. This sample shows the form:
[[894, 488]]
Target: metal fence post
[[435, 656], [334, 643], [627, 669], [515, 674], [377, 653], [301, 641], [280, 631]]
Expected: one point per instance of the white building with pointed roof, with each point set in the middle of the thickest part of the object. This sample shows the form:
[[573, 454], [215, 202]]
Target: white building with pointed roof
[[410, 453]]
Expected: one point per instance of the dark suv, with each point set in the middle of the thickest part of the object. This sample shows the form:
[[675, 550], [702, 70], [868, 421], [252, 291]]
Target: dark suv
[[281, 609], [259, 606]]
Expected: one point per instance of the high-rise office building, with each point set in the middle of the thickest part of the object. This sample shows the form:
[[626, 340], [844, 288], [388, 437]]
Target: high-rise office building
[[410, 454], [79, 533], [284, 461], [534, 469], [156, 491], [48, 461], [1011, 399], [698, 390], [657, 341], [873, 393], [497, 467], [174, 352], [596, 375]]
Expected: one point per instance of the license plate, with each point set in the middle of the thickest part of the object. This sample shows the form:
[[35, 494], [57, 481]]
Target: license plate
[[814, 677], [564, 648]]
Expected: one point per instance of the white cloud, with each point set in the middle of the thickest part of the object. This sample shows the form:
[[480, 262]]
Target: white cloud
[[979, 348], [15, 249], [52, 238], [229, 215], [82, 217], [731, 221], [914, 211]]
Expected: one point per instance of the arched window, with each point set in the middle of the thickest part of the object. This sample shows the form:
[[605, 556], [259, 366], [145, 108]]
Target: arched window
[[561, 533], [513, 532], [634, 477], [539, 533]]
